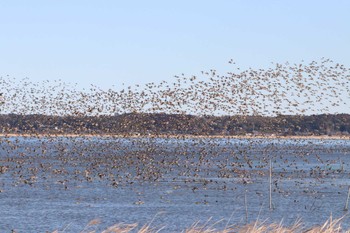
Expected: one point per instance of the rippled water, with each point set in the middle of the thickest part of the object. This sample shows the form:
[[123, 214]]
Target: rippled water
[[62, 183]]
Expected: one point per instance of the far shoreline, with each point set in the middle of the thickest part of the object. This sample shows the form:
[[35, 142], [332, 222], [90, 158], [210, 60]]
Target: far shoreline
[[178, 136]]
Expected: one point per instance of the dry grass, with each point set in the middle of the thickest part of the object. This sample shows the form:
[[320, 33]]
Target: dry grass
[[257, 227], [330, 226], [120, 228]]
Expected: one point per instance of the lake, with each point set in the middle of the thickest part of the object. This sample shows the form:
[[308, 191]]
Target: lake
[[62, 183]]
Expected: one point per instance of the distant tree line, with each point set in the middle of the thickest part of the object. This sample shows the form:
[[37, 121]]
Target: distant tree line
[[159, 123]]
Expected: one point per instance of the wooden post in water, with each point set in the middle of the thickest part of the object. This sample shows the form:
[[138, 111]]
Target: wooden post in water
[[270, 181], [246, 206], [347, 201], [341, 166]]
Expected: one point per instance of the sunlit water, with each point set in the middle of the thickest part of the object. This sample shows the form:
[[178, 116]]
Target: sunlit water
[[62, 183]]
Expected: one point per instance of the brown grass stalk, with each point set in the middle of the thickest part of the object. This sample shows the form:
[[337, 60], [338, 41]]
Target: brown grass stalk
[[330, 226]]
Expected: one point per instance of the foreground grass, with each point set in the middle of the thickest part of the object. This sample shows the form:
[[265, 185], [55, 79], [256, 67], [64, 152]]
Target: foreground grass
[[330, 226]]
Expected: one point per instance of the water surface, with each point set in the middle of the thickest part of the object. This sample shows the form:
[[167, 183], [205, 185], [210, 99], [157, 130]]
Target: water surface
[[62, 183]]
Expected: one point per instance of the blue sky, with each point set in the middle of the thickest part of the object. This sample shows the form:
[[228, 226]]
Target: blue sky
[[133, 42]]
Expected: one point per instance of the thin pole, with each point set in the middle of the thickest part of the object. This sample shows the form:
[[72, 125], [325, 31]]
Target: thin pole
[[347, 201], [246, 206], [270, 199]]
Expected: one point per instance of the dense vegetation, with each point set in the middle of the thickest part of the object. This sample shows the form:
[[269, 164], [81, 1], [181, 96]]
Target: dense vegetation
[[145, 124]]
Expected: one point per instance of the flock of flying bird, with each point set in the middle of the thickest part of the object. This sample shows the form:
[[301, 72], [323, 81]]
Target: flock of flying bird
[[317, 87], [314, 88]]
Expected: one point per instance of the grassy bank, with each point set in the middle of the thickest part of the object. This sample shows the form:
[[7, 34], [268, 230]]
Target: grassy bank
[[330, 226]]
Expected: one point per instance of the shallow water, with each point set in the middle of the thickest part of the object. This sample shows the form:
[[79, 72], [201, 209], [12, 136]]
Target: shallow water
[[62, 183]]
